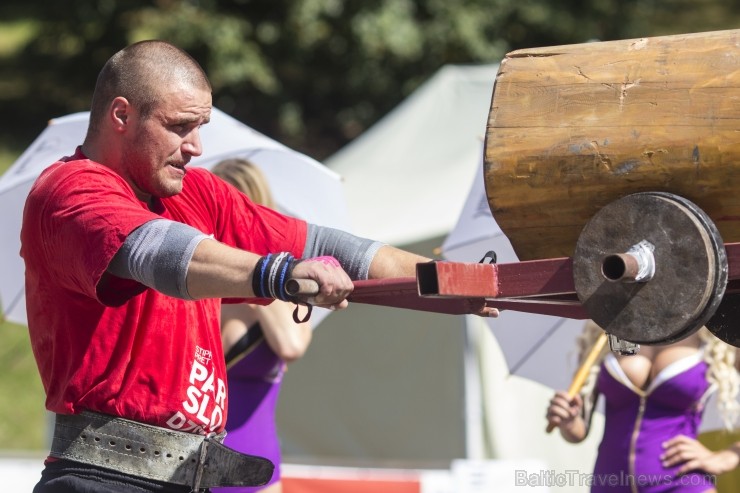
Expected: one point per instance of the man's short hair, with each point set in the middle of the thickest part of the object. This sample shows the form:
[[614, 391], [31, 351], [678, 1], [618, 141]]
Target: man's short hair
[[138, 72]]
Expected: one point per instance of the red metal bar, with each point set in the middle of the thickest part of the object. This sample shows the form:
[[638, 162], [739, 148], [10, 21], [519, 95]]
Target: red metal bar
[[541, 286], [536, 278], [402, 292], [519, 279], [536, 286], [457, 279]]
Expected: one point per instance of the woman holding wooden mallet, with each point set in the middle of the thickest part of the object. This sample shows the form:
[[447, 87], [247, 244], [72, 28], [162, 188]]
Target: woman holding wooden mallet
[[654, 401]]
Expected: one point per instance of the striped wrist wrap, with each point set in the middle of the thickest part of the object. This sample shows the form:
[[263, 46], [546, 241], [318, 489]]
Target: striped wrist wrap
[[271, 274]]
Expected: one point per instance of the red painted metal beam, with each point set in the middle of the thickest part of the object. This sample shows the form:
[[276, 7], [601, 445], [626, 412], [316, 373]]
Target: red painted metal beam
[[457, 279], [536, 286], [514, 280], [402, 292], [542, 286], [536, 278]]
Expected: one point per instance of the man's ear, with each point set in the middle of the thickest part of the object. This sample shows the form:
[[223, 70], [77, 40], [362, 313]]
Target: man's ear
[[119, 113]]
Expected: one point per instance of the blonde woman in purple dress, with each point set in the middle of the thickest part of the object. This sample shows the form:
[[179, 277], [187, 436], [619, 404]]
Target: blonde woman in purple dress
[[259, 342], [654, 402]]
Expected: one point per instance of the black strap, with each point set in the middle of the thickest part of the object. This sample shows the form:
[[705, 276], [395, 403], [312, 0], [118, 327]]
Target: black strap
[[296, 318], [490, 256]]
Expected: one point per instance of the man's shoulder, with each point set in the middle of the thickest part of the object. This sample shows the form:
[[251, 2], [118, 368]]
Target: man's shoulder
[[69, 167], [67, 178]]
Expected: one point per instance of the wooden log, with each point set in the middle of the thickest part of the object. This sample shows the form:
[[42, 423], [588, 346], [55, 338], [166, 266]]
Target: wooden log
[[573, 128]]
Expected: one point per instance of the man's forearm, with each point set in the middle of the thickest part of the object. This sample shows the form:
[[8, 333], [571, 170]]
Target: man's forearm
[[220, 271], [394, 262]]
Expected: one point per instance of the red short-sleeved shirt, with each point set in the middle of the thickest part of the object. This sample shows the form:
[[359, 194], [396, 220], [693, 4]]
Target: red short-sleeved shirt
[[114, 346]]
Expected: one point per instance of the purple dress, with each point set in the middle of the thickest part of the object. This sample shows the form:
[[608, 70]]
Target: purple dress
[[639, 421], [254, 386]]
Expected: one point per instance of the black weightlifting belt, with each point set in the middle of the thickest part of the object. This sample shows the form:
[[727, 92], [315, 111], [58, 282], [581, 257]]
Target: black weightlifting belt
[[155, 453]]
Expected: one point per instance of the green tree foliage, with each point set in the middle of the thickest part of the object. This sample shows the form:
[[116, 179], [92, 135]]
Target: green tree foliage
[[311, 73]]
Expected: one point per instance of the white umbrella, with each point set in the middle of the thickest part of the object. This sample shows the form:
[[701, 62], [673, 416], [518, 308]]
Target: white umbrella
[[538, 347], [302, 187]]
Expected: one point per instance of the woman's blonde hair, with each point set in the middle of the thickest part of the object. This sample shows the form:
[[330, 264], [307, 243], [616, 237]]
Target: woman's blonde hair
[[722, 372], [719, 356], [247, 178]]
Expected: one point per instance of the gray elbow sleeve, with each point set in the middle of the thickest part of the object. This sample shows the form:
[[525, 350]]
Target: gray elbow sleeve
[[157, 254], [354, 253]]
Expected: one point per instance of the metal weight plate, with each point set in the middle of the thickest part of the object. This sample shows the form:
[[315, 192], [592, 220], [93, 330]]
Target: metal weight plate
[[720, 308], [690, 268], [725, 320]]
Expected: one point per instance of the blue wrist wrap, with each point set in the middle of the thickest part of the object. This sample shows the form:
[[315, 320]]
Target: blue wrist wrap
[[271, 274]]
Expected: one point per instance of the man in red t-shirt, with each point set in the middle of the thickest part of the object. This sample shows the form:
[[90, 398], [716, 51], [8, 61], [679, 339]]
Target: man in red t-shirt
[[129, 254]]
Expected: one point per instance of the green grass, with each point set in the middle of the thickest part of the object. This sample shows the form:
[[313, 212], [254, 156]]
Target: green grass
[[23, 418]]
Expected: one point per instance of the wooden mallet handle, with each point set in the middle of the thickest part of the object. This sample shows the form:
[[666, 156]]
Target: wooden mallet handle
[[580, 378], [301, 287]]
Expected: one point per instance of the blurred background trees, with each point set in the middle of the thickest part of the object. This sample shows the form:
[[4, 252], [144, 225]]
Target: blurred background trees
[[312, 74]]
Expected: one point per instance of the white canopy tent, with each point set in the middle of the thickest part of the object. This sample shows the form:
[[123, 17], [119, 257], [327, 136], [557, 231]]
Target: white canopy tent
[[407, 177]]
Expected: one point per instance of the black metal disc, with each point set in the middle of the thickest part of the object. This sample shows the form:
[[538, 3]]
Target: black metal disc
[[690, 268], [725, 323]]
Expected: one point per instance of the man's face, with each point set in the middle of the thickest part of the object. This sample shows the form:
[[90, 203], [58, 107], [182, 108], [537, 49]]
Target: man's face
[[159, 146]]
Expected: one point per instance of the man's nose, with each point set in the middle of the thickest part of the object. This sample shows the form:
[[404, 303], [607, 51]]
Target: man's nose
[[192, 144]]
